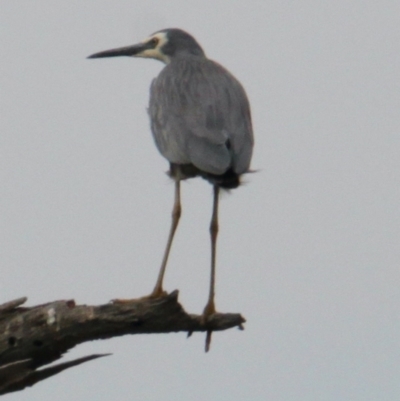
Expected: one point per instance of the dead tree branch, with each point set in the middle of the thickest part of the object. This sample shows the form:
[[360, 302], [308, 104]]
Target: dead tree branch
[[31, 337]]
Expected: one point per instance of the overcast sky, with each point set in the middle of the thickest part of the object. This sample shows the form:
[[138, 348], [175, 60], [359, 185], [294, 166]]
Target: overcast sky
[[308, 248]]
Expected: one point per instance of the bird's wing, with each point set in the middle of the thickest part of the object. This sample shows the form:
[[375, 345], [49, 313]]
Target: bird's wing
[[200, 115]]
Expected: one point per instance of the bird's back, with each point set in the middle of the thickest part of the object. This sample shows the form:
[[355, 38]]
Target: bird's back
[[200, 116]]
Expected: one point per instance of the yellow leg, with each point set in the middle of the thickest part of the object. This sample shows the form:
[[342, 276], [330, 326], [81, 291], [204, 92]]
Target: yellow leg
[[210, 306], [176, 214]]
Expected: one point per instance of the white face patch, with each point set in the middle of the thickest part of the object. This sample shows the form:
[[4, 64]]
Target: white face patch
[[156, 53]]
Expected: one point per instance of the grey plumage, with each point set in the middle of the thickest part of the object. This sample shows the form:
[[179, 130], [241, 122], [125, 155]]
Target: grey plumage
[[200, 115]]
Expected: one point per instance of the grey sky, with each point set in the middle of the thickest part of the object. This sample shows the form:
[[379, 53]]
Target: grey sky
[[308, 248]]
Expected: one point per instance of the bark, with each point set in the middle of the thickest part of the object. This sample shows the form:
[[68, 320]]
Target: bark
[[31, 337]]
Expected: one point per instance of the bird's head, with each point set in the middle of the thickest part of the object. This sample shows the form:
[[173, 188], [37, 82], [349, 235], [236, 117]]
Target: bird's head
[[162, 45]]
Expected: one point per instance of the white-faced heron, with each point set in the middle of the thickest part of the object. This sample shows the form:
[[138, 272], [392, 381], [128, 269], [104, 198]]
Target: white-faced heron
[[201, 123]]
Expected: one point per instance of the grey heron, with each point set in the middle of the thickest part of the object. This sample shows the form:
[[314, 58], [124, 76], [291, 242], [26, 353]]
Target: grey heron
[[201, 123]]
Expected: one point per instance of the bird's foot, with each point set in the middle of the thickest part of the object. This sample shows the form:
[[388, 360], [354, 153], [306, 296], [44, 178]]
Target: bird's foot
[[208, 311], [124, 300], [156, 293]]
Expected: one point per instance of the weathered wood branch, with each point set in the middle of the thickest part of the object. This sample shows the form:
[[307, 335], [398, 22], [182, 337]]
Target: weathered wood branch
[[31, 337]]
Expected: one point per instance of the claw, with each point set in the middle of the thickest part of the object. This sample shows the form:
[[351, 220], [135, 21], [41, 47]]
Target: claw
[[208, 340]]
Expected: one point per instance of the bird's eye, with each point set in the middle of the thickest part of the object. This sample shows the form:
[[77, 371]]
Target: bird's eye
[[153, 42]]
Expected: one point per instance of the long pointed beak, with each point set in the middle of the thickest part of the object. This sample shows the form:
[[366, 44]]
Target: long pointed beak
[[121, 51]]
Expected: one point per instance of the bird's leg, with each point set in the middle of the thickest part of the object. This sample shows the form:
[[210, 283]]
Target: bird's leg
[[210, 306], [176, 214]]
